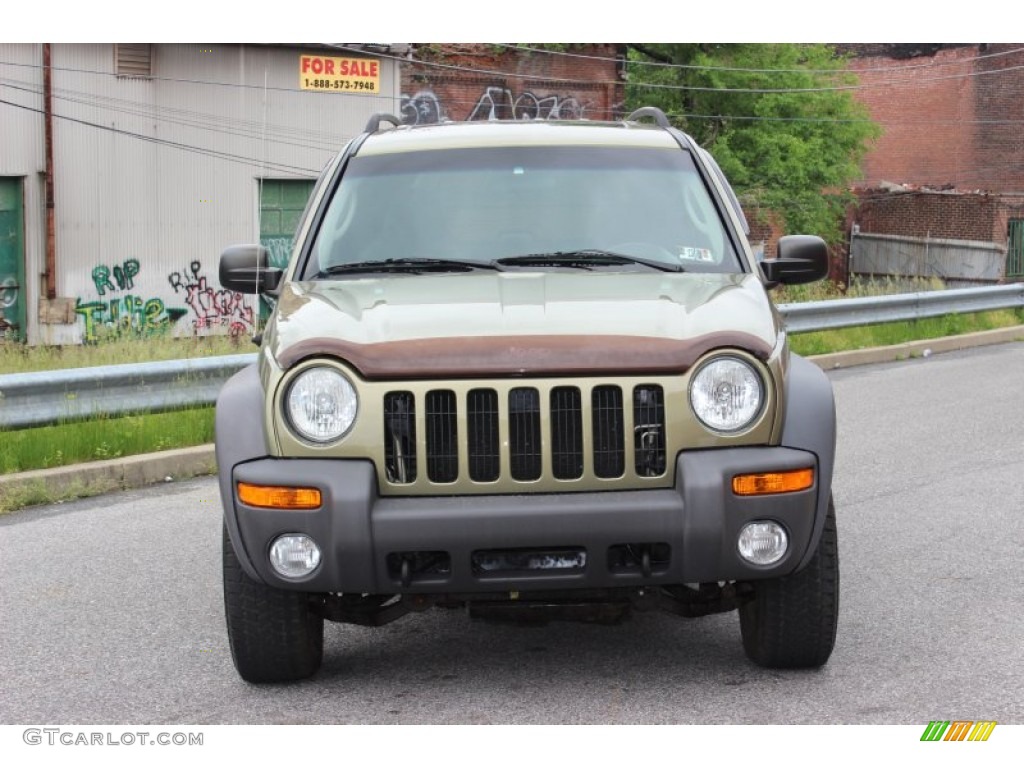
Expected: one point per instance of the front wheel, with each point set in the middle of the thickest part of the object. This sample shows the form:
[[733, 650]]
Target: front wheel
[[275, 634], [790, 622]]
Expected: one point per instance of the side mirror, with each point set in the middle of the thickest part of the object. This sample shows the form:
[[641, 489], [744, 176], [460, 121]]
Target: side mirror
[[802, 259], [245, 268]]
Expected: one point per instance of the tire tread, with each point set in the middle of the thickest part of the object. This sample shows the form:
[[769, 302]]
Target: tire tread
[[274, 634], [791, 622]]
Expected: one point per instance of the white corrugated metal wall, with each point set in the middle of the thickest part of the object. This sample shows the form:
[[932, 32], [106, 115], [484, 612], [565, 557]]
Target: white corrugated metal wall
[[154, 177]]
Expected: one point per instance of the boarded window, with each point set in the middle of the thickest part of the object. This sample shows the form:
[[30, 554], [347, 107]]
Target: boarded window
[[133, 59]]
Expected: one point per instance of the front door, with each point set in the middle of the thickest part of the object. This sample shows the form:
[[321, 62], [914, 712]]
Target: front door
[[12, 260]]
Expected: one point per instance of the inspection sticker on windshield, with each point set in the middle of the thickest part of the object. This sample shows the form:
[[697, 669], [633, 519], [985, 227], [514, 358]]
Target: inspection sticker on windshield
[[686, 253]]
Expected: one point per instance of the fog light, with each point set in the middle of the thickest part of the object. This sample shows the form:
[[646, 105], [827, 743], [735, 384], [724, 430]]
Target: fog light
[[294, 555], [763, 542]]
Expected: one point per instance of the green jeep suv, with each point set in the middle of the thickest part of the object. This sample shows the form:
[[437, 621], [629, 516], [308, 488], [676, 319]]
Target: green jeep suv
[[531, 370]]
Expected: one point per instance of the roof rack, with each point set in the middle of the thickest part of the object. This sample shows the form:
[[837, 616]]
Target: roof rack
[[657, 114], [373, 124]]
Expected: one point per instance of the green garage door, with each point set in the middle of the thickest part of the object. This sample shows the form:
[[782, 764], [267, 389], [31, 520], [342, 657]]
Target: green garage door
[[12, 260], [281, 206]]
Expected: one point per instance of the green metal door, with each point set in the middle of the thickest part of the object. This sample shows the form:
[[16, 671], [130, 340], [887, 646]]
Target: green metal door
[[12, 260], [281, 206], [1015, 250]]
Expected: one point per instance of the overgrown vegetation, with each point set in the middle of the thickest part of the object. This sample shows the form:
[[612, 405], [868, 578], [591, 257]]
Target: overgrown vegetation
[[117, 349], [103, 438], [886, 334], [780, 119], [889, 334]]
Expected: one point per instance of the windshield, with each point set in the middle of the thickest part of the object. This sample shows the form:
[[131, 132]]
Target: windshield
[[484, 204]]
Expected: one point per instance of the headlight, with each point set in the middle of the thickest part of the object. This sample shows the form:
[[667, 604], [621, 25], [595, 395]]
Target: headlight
[[321, 405], [726, 393]]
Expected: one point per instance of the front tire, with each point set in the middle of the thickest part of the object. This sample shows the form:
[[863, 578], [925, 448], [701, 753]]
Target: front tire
[[790, 622], [275, 635]]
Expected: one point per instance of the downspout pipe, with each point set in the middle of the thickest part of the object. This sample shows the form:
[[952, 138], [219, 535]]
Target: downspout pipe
[[51, 232]]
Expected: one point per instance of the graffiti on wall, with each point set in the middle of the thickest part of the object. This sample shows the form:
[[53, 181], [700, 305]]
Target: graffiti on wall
[[119, 311], [279, 250], [212, 308], [495, 103], [119, 307], [423, 108], [122, 274]]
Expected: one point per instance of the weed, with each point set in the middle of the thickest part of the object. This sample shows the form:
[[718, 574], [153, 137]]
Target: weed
[[105, 438], [114, 349]]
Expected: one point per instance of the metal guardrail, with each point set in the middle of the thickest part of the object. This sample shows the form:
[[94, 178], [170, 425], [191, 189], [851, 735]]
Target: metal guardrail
[[846, 313], [50, 397]]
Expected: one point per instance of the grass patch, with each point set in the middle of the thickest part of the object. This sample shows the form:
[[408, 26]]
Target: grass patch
[[888, 334], [103, 438], [826, 290], [116, 350], [38, 492], [885, 334]]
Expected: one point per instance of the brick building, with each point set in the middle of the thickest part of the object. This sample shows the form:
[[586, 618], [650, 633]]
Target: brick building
[[482, 81], [949, 165], [952, 115]]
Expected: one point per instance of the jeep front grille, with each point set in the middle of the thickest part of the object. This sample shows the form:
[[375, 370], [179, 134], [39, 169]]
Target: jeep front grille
[[524, 434]]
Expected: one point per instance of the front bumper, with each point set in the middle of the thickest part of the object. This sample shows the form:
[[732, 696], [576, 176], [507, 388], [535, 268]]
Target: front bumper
[[691, 528]]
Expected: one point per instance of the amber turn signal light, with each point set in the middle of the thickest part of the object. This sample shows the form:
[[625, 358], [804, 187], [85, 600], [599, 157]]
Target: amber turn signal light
[[766, 483], [278, 497]]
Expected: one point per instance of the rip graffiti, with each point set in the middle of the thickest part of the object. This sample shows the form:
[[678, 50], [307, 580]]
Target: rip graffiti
[[123, 274], [212, 308], [124, 313]]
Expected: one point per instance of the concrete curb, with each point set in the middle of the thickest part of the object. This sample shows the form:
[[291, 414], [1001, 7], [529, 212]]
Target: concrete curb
[[95, 477], [923, 348], [79, 480]]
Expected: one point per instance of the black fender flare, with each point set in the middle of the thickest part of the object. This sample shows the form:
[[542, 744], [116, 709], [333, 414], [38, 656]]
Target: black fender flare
[[238, 438], [810, 425]]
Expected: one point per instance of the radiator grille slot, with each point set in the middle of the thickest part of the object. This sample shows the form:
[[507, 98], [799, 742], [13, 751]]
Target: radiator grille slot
[[442, 436], [609, 443], [551, 433], [482, 423], [524, 433], [649, 430], [400, 437], [566, 433]]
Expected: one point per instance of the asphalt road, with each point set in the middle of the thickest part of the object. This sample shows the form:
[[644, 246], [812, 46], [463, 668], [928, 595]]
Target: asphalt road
[[110, 608]]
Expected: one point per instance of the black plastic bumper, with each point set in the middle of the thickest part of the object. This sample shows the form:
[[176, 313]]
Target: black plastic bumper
[[691, 529]]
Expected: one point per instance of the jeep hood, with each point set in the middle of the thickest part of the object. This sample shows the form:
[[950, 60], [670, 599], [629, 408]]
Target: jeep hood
[[529, 323]]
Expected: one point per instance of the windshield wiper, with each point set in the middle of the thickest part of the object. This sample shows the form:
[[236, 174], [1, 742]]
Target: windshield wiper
[[408, 265], [584, 259]]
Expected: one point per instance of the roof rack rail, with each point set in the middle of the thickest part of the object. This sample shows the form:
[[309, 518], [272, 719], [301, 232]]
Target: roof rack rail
[[657, 114], [373, 124]]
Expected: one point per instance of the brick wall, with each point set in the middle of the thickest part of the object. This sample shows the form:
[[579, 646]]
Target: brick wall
[[930, 214], [949, 117], [480, 80], [955, 216]]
